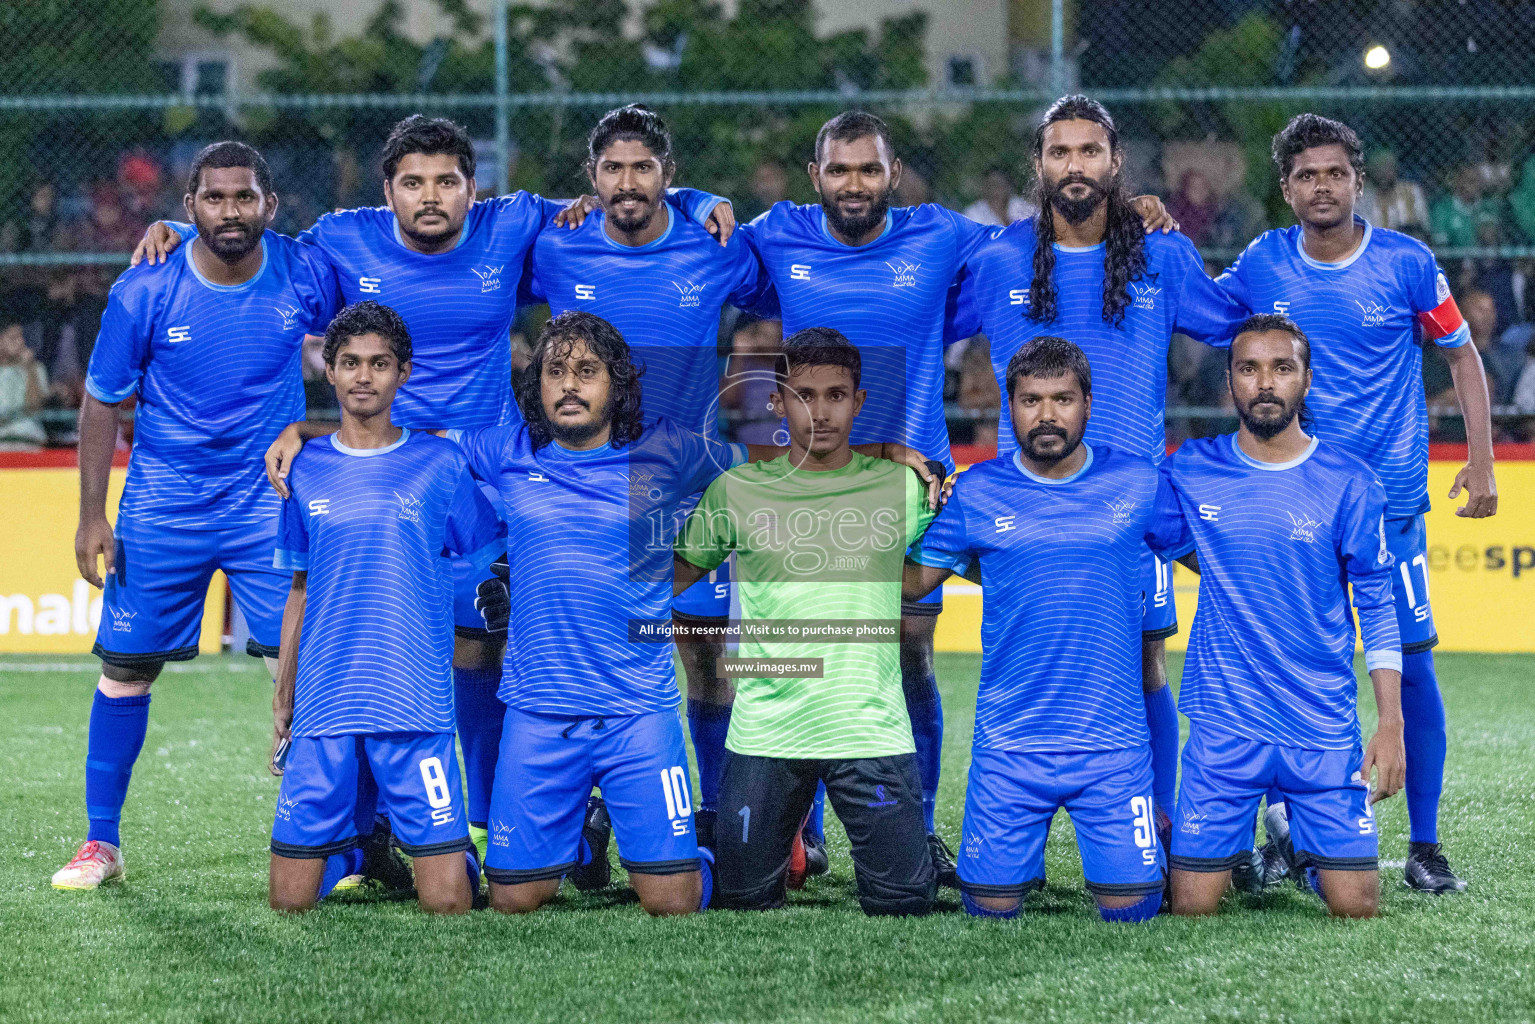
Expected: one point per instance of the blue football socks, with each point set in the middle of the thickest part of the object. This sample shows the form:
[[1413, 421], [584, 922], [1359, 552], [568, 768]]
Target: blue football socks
[[925, 708], [1162, 721], [1144, 910], [480, 716], [708, 724], [1424, 737], [116, 736]]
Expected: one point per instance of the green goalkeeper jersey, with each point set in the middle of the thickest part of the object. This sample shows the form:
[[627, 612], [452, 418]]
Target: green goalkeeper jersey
[[818, 571]]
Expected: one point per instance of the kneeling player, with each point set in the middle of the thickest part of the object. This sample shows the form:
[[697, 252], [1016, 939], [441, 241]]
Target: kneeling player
[[373, 514], [1283, 525], [1057, 530], [819, 536]]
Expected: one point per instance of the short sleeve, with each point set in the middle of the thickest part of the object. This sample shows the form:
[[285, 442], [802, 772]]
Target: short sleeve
[[1233, 280], [1206, 311], [324, 290], [968, 235], [122, 345], [709, 534], [918, 515], [1435, 306], [292, 552], [1167, 532], [530, 290], [748, 278], [185, 231], [698, 205], [762, 300], [474, 532], [485, 448], [702, 459], [946, 542], [962, 313]]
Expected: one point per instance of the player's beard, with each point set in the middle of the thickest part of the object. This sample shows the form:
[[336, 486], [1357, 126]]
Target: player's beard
[[232, 250], [1266, 427], [429, 238], [1078, 210], [639, 220], [577, 435], [1027, 443], [858, 225]]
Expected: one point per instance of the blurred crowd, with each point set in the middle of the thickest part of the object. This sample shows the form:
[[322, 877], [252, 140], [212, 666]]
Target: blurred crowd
[[49, 313]]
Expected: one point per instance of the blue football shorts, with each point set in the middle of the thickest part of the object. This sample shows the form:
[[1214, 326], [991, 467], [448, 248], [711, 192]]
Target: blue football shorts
[[709, 598], [1012, 797], [1225, 776], [547, 768], [325, 787], [152, 608], [1407, 540], [1159, 612]]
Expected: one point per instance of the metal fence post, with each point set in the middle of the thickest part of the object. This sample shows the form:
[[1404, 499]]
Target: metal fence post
[[503, 112], [1057, 47]]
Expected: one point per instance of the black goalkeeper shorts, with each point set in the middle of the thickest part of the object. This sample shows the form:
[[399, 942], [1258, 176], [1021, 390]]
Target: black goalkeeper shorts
[[763, 800]]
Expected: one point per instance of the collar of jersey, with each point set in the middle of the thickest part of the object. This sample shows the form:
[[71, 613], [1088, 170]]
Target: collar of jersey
[[400, 237], [365, 453], [1058, 247], [1273, 467], [1050, 481], [265, 256], [826, 230], [1364, 243], [671, 222], [556, 450]]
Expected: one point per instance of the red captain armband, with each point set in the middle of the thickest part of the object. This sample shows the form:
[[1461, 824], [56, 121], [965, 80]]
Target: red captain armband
[[1444, 319]]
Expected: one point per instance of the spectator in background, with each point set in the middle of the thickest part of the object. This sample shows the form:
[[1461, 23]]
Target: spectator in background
[[750, 380], [1524, 393], [977, 394], [916, 185], [1389, 201], [1481, 315], [23, 390], [35, 229], [769, 185], [1454, 218], [1502, 362], [1522, 199], [139, 181], [1195, 207], [1500, 278], [1000, 204]]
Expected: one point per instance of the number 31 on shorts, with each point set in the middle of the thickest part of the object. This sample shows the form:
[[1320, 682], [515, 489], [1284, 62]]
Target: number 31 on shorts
[[1145, 828]]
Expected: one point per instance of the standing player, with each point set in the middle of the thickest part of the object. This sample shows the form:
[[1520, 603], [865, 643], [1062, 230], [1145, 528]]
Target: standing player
[[364, 684], [1364, 294], [450, 266], [1084, 268], [210, 345], [1057, 530], [662, 281], [1284, 526], [818, 536]]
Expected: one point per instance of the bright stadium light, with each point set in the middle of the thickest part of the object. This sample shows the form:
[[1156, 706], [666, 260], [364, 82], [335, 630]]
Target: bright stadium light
[[1377, 57]]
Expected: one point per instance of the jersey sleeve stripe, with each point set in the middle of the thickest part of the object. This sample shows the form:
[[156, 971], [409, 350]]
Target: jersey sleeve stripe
[[290, 561]]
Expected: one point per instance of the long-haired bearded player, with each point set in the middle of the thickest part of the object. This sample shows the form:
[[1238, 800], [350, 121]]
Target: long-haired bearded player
[[1085, 269]]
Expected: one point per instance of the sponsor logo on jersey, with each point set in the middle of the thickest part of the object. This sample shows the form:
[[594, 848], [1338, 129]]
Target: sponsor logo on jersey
[[1441, 288], [1372, 314], [535, 477], [371, 285], [905, 272], [410, 508], [1018, 297], [176, 335], [688, 294], [1145, 295], [319, 507], [1005, 523], [1304, 527], [289, 316], [586, 292], [1385, 554], [1210, 513], [799, 271], [1282, 307], [490, 277], [1121, 509], [122, 622]]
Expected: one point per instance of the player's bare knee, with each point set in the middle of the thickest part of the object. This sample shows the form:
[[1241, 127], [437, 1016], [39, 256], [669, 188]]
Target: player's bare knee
[[1196, 893], [287, 902], [999, 905], [448, 901], [670, 895], [121, 681], [1351, 893], [522, 898], [1153, 665]]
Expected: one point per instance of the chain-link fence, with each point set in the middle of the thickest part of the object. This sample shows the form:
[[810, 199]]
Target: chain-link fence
[[102, 106]]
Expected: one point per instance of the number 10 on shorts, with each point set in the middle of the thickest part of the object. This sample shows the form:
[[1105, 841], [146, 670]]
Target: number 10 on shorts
[[679, 798]]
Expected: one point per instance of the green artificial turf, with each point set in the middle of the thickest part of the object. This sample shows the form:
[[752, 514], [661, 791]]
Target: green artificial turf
[[188, 937]]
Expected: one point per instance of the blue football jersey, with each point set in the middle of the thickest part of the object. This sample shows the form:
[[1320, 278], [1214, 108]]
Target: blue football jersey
[[1364, 316], [1271, 652], [459, 304], [373, 529], [1129, 361], [590, 563], [217, 373], [1060, 573], [665, 299], [887, 297]]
